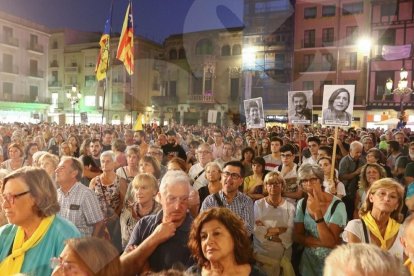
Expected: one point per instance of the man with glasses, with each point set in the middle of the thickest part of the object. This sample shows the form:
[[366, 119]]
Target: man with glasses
[[196, 172], [288, 170], [160, 240], [313, 146], [230, 196]]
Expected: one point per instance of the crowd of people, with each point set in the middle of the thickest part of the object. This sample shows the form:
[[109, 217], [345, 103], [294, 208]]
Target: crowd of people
[[191, 200]]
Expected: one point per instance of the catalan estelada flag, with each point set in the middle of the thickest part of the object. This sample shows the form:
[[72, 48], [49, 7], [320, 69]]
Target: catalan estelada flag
[[103, 58], [125, 51]]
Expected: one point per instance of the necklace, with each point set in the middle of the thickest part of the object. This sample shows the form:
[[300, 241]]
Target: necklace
[[275, 205]]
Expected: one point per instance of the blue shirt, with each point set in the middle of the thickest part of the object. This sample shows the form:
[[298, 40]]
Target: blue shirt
[[36, 260], [172, 253]]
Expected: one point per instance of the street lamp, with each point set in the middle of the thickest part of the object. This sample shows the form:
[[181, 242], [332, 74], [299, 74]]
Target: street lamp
[[402, 88], [74, 97]]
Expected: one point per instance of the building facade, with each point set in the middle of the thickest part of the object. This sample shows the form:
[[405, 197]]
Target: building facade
[[326, 49], [23, 70], [392, 24]]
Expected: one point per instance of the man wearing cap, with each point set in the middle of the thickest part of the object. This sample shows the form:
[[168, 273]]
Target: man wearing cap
[[172, 148]]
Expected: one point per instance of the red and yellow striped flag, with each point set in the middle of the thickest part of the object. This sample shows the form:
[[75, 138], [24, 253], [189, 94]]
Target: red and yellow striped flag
[[125, 51]]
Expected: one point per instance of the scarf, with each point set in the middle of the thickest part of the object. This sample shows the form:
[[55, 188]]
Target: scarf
[[12, 264], [409, 265], [390, 231]]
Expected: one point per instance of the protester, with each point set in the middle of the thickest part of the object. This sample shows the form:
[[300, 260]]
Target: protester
[[253, 184], [220, 244], [15, 161], [332, 186], [319, 224], [87, 256], [213, 176], [362, 259], [380, 218], [34, 233]]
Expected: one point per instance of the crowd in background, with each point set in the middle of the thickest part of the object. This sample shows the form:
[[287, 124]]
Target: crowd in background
[[205, 200]]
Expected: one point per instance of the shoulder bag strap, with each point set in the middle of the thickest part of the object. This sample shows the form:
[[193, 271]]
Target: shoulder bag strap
[[364, 228], [198, 175], [218, 199]]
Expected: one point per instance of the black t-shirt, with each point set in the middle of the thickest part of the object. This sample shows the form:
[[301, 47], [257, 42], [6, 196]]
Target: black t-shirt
[[171, 151]]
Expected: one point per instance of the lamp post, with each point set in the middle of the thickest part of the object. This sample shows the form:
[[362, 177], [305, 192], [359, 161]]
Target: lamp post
[[402, 88], [74, 97]]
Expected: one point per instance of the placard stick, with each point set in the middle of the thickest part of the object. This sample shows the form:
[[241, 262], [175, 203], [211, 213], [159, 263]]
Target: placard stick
[[334, 154], [300, 145]]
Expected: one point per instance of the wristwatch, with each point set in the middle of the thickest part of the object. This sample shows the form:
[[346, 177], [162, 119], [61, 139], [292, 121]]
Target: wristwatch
[[270, 238], [319, 220]]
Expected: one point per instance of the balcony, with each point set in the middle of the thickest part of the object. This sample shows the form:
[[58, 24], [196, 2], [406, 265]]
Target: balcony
[[71, 68], [201, 98], [36, 74], [316, 67], [55, 84], [35, 47], [54, 64], [164, 100], [9, 69], [24, 98], [9, 40], [318, 42]]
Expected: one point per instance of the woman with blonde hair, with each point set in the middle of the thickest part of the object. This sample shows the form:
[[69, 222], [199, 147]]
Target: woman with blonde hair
[[370, 173], [380, 218], [87, 256], [273, 227], [144, 189], [49, 163]]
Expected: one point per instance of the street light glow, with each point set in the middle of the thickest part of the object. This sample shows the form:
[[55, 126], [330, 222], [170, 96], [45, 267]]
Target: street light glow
[[364, 45]]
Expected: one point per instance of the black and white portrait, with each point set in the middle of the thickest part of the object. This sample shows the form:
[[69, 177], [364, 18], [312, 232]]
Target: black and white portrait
[[338, 103], [300, 107], [254, 113]]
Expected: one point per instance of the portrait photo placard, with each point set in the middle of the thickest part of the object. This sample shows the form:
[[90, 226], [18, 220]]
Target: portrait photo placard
[[253, 109], [300, 107], [338, 105]]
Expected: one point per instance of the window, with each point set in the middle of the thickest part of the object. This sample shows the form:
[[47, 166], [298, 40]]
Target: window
[[380, 81], [269, 6], [173, 54], [197, 85], [308, 62], [33, 41], [279, 61], [310, 13], [155, 83], [328, 37], [351, 35], [234, 88], [309, 39], [389, 9], [307, 85], [351, 62], [33, 68], [236, 50], [7, 32], [7, 63], [387, 37], [117, 97], [328, 62], [34, 93], [181, 54], [204, 47], [353, 8], [172, 88], [328, 10], [90, 80], [323, 83], [7, 90], [225, 50]]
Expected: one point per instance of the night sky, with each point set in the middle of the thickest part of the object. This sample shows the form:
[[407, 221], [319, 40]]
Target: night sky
[[153, 19]]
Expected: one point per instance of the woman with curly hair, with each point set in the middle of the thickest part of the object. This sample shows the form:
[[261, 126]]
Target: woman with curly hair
[[370, 173], [219, 243]]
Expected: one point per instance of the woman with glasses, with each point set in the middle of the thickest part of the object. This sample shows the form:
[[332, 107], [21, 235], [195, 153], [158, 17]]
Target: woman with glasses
[[273, 216], [380, 218], [34, 233], [87, 256], [319, 220]]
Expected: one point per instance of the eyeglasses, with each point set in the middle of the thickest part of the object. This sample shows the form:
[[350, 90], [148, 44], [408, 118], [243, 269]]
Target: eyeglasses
[[174, 199], [66, 266], [286, 155], [203, 152], [10, 198], [312, 180], [233, 176], [382, 194], [274, 184]]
